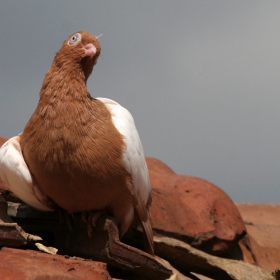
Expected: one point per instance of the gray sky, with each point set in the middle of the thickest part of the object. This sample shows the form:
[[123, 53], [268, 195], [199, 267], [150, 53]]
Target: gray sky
[[201, 79]]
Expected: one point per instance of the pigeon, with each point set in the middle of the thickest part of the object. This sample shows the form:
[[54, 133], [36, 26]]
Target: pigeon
[[78, 153]]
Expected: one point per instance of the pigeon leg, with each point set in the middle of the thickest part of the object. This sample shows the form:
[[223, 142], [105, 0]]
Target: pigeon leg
[[64, 216], [91, 220]]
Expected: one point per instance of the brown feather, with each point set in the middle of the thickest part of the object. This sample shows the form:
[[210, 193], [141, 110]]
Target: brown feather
[[142, 212]]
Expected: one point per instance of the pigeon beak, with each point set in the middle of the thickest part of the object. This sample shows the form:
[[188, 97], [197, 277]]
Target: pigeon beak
[[90, 50]]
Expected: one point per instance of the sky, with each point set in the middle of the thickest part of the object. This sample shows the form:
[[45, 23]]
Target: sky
[[201, 79]]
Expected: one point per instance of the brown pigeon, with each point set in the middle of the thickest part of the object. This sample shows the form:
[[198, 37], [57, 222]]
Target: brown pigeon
[[80, 153]]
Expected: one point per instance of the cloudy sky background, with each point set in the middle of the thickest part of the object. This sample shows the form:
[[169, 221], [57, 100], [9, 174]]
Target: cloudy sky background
[[201, 79]]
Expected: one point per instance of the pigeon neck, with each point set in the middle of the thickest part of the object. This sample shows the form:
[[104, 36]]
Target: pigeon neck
[[62, 80]]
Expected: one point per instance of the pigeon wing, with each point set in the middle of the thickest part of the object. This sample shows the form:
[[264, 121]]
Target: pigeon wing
[[135, 164], [15, 175]]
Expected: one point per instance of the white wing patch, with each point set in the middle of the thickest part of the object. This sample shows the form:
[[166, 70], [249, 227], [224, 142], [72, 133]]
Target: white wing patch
[[133, 155], [14, 173]]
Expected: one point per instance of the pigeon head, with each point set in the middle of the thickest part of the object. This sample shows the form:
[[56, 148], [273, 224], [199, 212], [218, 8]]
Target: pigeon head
[[79, 50]]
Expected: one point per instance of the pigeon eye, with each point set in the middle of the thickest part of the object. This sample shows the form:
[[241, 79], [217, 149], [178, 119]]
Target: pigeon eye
[[74, 38]]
